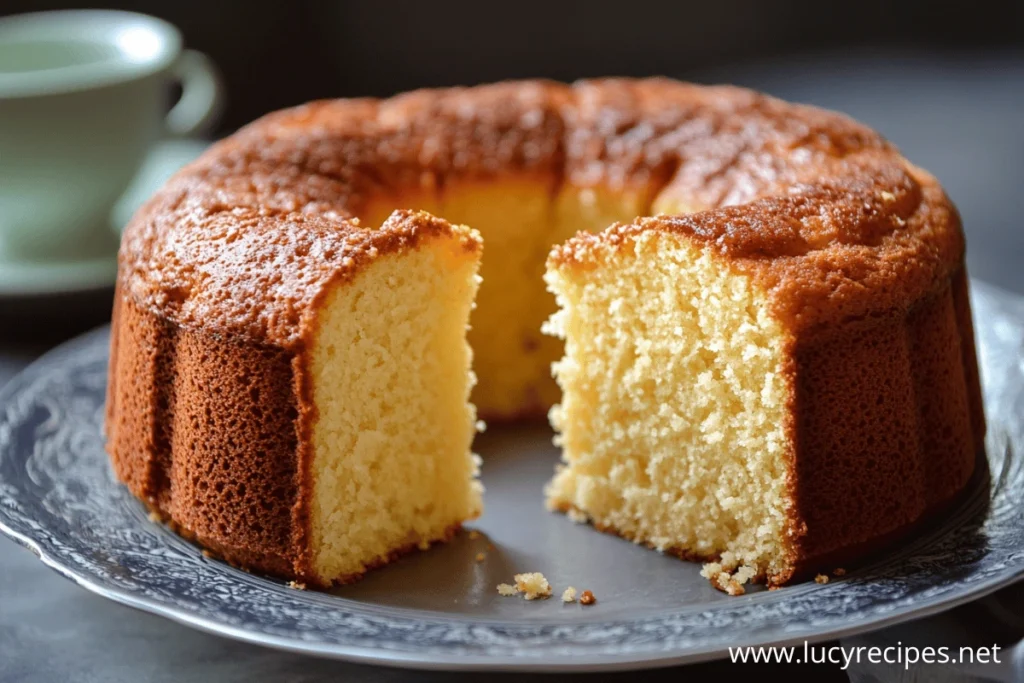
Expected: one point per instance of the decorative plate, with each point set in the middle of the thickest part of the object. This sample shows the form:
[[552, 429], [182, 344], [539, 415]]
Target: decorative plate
[[440, 609]]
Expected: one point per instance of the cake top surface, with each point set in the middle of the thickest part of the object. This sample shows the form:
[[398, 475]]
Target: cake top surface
[[257, 273], [822, 209], [863, 235]]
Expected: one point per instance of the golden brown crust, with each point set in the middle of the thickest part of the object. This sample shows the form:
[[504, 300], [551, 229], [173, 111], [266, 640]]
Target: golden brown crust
[[250, 272], [884, 434], [202, 430], [623, 134], [220, 274]]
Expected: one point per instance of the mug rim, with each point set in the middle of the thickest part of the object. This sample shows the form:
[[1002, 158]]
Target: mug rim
[[107, 27]]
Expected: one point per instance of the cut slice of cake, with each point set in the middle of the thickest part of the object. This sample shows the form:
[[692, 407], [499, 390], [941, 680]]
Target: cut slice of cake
[[339, 440], [390, 365]]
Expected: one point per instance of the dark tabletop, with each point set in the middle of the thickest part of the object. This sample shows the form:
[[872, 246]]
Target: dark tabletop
[[959, 115]]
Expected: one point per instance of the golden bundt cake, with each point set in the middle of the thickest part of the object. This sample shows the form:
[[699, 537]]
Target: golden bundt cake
[[775, 372]]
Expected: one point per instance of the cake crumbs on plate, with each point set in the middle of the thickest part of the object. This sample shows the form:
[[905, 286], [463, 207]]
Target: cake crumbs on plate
[[821, 578], [480, 557], [839, 571], [155, 517], [587, 598], [207, 554], [507, 590], [473, 534], [297, 585], [577, 516], [727, 581], [533, 585], [569, 595]]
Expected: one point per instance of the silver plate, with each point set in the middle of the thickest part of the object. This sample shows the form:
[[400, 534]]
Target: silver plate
[[440, 609]]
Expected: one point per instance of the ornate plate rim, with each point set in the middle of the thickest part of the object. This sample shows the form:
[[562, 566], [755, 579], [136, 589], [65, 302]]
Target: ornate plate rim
[[566, 654], [428, 662]]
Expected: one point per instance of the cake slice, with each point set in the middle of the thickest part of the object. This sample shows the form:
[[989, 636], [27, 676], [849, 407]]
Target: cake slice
[[390, 367], [701, 416], [339, 440]]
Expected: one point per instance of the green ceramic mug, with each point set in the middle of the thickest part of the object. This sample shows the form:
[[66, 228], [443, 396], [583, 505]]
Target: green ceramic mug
[[83, 97]]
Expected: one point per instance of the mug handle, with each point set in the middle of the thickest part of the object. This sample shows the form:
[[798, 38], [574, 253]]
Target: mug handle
[[202, 95]]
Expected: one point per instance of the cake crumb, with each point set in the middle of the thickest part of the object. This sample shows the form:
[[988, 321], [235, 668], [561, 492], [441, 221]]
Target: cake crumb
[[155, 517], [473, 534], [711, 570], [424, 544], [839, 571], [480, 557], [207, 554], [507, 590], [297, 585], [744, 574], [587, 598], [569, 595], [533, 585], [729, 581], [577, 516], [821, 578], [481, 426]]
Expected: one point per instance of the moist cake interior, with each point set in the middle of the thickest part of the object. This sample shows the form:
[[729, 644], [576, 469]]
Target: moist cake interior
[[680, 401], [391, 372], [674, 414], [520, 219]]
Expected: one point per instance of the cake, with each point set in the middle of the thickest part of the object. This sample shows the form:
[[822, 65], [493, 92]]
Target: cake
[[290, 377], [775, 387], [313, 446]]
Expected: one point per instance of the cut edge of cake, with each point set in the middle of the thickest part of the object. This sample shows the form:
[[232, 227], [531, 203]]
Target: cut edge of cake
[[674, 422], [391, 464]]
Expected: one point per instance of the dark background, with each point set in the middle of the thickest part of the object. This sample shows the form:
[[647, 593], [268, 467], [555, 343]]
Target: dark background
[[275, 54], [943, 80]]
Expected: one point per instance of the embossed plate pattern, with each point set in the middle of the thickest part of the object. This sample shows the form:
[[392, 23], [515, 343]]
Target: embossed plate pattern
[[439, 609]]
